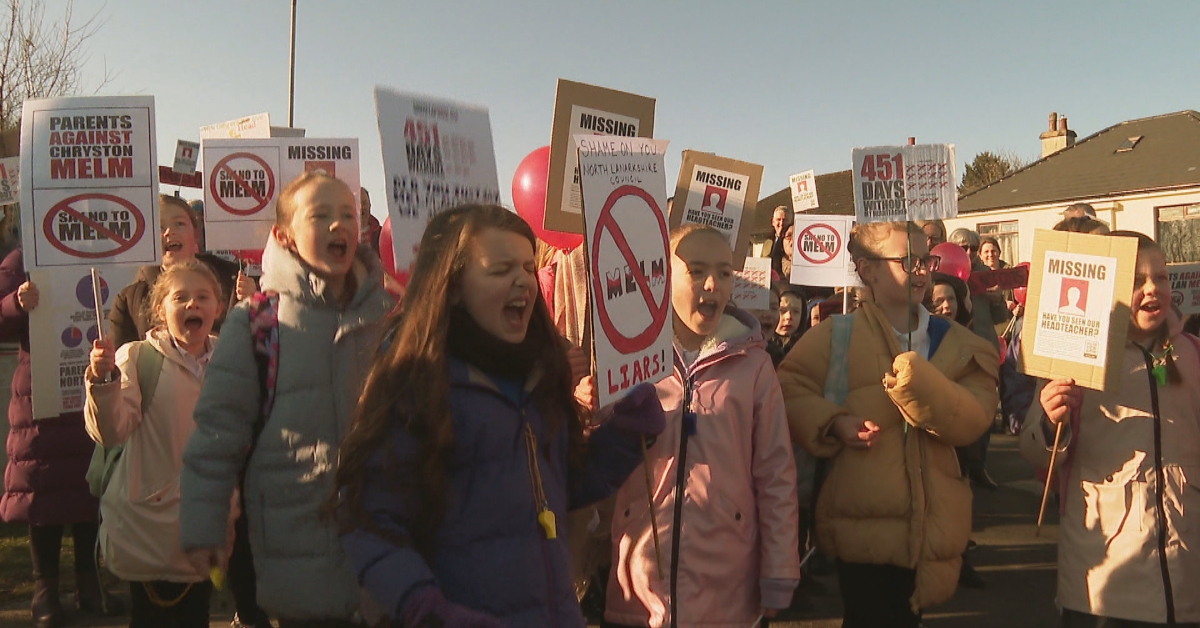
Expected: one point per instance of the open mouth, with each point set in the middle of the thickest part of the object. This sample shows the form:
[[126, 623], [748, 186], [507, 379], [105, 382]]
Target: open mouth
[[173, 247], [339, 248], [1150, 307], [193, 323], [515, 310], [707, 309]]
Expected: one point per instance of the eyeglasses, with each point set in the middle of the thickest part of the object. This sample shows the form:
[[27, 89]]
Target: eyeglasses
[[911, 263]]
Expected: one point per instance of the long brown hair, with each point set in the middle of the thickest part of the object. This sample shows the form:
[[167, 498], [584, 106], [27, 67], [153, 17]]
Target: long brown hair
[[410, 378]]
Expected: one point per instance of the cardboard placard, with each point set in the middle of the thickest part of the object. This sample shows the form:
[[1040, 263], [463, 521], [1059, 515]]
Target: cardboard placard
[[628, 260], [752, 284], [257, 126], [186, 154], [804, 191], [245, 177], [821, 256], [1185, 287], [898, 183], [167, 176], [437, 154], [580, 108], [718, 192], [61, 332], [1077, 309], [89, 182], [10, 180]]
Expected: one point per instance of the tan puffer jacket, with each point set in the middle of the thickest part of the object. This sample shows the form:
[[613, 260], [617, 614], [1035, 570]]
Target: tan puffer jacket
[[903, 502]]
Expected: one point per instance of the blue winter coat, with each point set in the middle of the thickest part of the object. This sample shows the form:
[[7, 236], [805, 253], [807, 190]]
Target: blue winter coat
[[490, 553]]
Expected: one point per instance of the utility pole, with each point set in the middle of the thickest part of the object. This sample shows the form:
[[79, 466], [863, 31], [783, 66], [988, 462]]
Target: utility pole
[[292, 72]]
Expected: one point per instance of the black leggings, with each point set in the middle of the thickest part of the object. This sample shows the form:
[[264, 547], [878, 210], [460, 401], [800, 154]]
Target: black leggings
[[45, 545]]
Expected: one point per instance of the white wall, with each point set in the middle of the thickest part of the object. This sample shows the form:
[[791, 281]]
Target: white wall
[[1133, 212]]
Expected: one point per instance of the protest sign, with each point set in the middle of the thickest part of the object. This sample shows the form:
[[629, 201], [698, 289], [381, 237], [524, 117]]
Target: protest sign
[[437, 154], [245, 177], [752, 284], [585, 109], [625, 196], [804, 191], [982, 281], [897, 183], [186, 154], [62, 331], [250, 127], [821, 256], [718, 192], [1185, 287], [167, 176], [10, 180], [89, 182], [1078, 307]]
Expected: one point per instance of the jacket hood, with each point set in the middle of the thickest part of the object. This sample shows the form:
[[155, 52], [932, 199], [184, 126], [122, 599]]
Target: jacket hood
[[285, 273], [737, 331], [160, 338]]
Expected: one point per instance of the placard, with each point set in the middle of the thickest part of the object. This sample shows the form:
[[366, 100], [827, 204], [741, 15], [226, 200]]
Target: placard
[[245, 176], [257, 126], [61, 331], [585, 109], [89, 182], [186, 154], [1185, 287], [898, 183], [804, 191], [10, 181], [752, 284], [1078, 307], [628, 252], [718, 192], [821, 256], [437, 154]]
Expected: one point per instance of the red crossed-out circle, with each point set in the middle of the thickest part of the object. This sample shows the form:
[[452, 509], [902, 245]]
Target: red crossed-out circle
[[829, 254], [123, 244], [658, 311], [223, 166]]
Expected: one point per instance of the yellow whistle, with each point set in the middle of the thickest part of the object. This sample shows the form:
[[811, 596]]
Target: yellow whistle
[[218, 578], [546, 518]]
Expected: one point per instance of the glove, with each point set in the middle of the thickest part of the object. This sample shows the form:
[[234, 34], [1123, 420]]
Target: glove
[[640, 411], [429, 608]]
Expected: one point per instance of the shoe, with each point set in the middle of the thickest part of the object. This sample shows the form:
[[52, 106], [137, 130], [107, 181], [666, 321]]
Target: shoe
[[261, 623], [47, 608], [981, 478], [90, 596], [968, 577]]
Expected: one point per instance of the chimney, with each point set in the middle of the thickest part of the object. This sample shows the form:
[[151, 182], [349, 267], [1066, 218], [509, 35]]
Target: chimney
[[1058, 137], [912, 141]]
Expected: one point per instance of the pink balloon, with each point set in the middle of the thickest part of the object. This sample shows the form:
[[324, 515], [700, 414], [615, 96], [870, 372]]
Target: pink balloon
[[1003, 348], [387, 255], [955, 261], [529, 199]]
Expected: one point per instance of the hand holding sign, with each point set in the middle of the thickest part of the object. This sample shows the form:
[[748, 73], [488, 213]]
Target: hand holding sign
[[102, 360], [28, 296]]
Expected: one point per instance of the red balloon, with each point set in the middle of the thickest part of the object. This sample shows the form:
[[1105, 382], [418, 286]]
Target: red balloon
[[529, 199], [1003, 348], [387, 255], [955, 261], [1020, 293]]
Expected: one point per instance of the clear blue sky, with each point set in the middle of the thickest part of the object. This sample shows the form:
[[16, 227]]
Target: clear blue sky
[[790, 85]]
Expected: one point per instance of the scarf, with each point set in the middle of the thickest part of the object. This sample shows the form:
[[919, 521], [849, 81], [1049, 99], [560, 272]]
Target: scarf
[[474, 345]]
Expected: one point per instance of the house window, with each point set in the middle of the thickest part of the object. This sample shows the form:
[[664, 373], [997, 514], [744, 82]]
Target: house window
[[1007, 234], [1178, 232]]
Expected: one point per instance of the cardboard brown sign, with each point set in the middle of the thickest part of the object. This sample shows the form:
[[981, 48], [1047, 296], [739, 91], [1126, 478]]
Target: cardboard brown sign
[[580, 108], [718, 192]]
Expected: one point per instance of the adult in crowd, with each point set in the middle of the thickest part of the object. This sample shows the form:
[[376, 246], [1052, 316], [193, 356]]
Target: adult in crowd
[[368, 225], [44, 481], [934, 230], [989, 253], [781, 220], [1082, 224], [129, 318]]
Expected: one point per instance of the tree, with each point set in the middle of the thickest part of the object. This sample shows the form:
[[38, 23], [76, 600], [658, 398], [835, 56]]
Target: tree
[[988, 168], [40, 58]]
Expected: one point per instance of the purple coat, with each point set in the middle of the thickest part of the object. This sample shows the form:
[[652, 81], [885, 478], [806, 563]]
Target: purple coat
[[44, 481]]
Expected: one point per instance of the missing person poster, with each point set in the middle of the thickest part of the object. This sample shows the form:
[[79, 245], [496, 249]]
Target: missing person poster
[[582, 109], [718, 192], [1078, 306]]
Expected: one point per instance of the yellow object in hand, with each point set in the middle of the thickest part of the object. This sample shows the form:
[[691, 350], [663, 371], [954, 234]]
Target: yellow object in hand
[[217, 577], [546, 518]]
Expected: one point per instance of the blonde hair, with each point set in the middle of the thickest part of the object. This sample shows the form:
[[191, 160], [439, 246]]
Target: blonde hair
[[162, 287], [285, 206], [865, 238]]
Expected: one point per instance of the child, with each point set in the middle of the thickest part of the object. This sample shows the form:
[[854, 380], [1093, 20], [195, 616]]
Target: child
[[724, 476], [139, 533], [1127, 466], [895, 510], [331, 306], [791, 323], [467, 452]]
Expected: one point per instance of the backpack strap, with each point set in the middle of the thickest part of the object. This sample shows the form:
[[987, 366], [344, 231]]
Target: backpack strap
[[104, 459], [264, 333], [149, 368], [837, 378]]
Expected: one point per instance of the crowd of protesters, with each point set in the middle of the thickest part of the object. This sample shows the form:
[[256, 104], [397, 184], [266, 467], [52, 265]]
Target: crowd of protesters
[[338, 459]]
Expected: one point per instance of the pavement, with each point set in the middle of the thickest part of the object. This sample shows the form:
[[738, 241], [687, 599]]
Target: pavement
[[1017, 566]]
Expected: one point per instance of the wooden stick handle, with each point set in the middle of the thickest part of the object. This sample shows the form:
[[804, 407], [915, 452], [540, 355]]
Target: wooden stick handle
[[1049, 478], [650, 499]]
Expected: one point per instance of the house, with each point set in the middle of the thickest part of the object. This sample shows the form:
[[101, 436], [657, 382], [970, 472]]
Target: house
[[1141, 175], [835, 193]]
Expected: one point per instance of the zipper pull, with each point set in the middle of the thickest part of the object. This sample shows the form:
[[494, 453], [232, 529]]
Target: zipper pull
[[546, 519], [1160, 374], [689, 422]]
